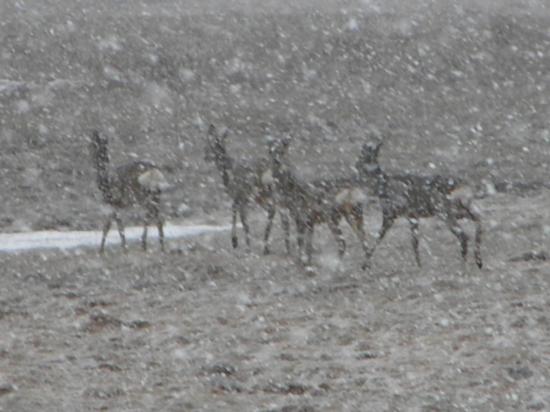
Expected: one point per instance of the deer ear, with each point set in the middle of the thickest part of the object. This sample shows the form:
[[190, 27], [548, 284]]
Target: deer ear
[[225, 134], [368, 148], [98, 139]]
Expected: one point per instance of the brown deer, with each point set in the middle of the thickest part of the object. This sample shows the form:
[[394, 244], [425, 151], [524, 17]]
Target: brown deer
[[414, 197], [136, 183], [245, 183], [320, 201]]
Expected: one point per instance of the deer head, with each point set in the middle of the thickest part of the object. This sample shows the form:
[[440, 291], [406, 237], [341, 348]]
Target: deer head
[[369, 153], [97, 141], [278, 149], [214, 150]]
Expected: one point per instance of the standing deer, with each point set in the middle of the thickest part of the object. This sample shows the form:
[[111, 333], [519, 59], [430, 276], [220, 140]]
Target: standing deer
[[316, 202], [135, 183], [245, 182], [414, 197]]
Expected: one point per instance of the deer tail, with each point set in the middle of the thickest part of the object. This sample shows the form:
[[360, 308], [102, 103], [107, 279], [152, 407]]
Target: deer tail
[[352, 196]]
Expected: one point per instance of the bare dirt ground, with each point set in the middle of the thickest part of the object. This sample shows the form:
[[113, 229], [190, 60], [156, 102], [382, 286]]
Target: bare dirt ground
[[204, 327]]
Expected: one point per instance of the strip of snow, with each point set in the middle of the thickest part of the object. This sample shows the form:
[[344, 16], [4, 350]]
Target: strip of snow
[[51, 239]]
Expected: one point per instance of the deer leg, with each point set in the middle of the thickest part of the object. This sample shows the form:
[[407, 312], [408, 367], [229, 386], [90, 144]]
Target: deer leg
[[234, 239], [355, 220], [387, 223], [462, 237], [309, 243], [106, 228], [286, 229], [479, 230], [160, 227], [145, 229], [414, 239], [300, 232], [155, 215], [144, 235], [270, 216], [244, 221], [337, 232], [120, 226]]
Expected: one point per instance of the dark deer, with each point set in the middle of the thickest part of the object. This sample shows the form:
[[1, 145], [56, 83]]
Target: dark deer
[[135, 183], [245, 183], [320, 201], [414, 197]]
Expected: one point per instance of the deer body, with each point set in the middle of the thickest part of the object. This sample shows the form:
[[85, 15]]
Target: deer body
[[245, 183], [320, 201], [414, 197], [135, 183]]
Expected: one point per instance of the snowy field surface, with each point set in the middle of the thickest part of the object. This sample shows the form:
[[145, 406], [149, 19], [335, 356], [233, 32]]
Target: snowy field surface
[[50, 239]]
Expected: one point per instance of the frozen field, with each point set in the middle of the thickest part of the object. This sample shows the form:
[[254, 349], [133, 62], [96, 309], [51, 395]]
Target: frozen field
[[205, 328]]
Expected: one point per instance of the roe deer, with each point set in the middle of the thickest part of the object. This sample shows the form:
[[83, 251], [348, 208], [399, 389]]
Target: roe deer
[[245, 182], [414, 197], [135, 183], [316, 202]]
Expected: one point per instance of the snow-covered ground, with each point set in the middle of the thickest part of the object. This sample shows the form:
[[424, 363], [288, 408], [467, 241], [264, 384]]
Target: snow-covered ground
[[52, 239]]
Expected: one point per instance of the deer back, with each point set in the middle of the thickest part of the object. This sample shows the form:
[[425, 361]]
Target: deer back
[[136, 182]]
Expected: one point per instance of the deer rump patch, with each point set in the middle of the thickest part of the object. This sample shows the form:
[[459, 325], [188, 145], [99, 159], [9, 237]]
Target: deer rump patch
[[350, 195], [152, 180], [266, 178]]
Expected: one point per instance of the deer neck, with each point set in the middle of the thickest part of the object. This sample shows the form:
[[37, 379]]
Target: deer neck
[[224, 163], [283, 176], [373, 175], [101, 160]]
